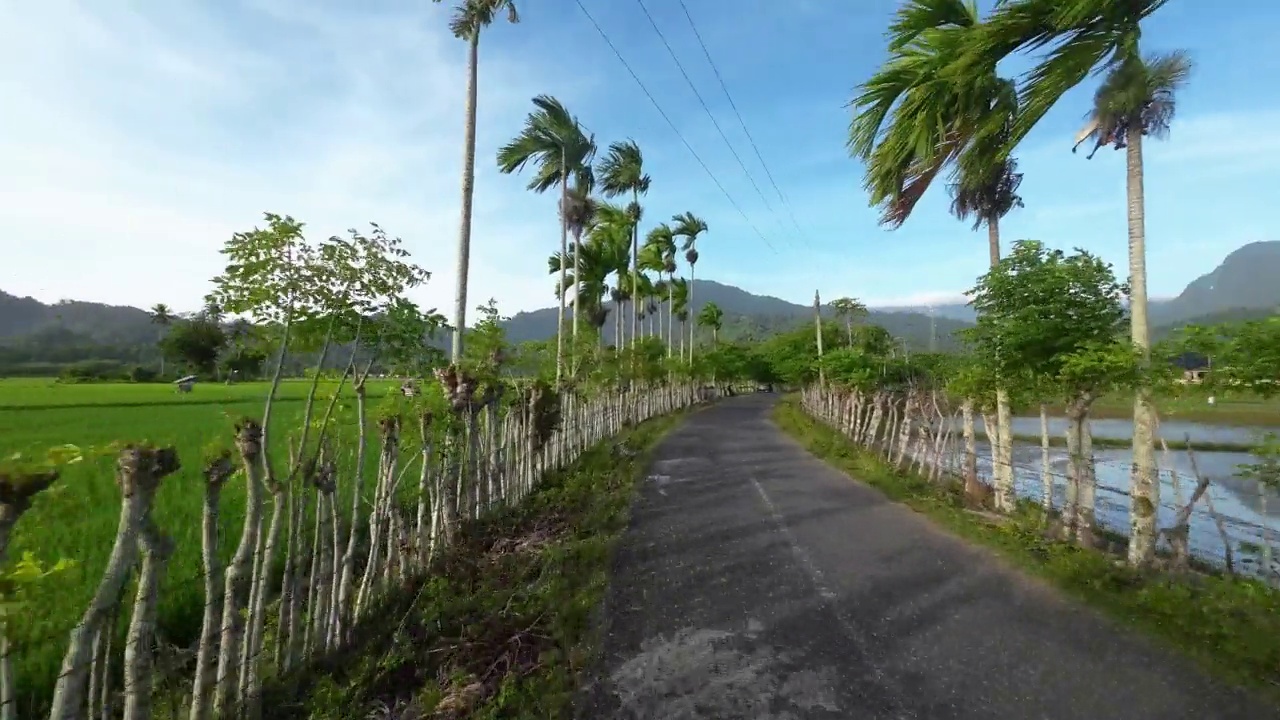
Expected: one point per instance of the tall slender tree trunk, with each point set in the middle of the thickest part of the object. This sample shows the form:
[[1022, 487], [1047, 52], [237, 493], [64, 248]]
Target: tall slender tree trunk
[[468, 192], [671, 309], [1002, 443], [564, 253], [1144, 488], [577, 280], [693, 326], [635, 272]]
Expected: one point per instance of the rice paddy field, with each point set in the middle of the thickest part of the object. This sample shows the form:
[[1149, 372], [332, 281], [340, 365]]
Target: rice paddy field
[[77, 518]]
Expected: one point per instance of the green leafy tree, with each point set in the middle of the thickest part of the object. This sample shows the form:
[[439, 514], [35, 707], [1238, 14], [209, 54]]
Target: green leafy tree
[[196, 343], [1050, 321], [850, 310]]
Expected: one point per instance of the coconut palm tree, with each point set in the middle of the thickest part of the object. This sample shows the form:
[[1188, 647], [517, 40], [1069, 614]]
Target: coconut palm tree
[[711, 316], [689, 227], [554, 141], [163, 316], [621, 171], [468, 19], [1137, 98], [936, 104]]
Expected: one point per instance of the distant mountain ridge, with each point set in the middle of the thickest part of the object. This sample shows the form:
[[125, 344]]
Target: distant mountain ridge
[[1242, 286]]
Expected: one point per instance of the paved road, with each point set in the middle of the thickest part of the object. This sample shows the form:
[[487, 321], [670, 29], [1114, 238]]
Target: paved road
[[756, 582]]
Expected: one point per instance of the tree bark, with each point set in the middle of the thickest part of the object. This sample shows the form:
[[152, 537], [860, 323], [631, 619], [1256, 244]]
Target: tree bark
[[1144, 488], [468, 194], [1002, 450]]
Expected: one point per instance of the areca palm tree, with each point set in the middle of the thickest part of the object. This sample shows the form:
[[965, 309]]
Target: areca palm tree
[[712, 317], [1137, 98], [663, 239], [680, 307], [938, 104], [579, 211], [621, 171], [689, 227], [161, 315], [554, 141], [468, 19], [658, 256]]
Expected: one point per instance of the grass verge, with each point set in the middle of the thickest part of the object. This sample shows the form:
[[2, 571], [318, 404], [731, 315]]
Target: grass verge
[[505, 626], [1229, 625]]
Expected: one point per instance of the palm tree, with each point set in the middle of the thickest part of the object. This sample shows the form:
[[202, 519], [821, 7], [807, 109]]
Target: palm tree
[[468, 19], [949, 108], [621, 171], [161, 315], [579, 212], [554, 141], [662, 237], [713, 317], [850, 310], [689, 227], [658, 255], [680, 308], [1137, 98], [594, 261]]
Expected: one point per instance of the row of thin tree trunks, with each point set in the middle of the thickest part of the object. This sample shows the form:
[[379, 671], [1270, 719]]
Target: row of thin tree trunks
[[913, 429], [310, 565]]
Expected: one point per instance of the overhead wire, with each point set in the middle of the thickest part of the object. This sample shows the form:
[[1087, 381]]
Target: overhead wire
[[734, 106], [707, 109], [657, 106]]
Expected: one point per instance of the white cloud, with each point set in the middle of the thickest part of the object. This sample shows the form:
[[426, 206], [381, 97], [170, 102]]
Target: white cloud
[[137, 137]]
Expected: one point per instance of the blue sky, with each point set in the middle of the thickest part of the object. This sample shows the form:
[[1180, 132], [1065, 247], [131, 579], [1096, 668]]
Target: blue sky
[[137, 136]]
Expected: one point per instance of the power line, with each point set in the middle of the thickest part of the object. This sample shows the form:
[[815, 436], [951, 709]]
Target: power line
[[701, 101], [786, 203], [674, 129]]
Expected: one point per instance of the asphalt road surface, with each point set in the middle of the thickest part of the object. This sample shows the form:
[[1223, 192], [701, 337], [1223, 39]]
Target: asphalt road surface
[[757, 583]]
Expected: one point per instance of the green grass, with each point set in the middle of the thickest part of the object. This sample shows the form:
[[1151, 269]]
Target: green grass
[[48, 394], [1104, 442], [1230, 408], [77, 518], [1229, 625], [511, 614]]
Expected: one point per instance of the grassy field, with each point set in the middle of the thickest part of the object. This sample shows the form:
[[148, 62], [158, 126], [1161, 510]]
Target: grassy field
[[77, 518], [1228, 408], [1227, 624]]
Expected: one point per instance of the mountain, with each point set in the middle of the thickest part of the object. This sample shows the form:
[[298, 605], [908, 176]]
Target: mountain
[[1243, 286], [1244, 281], [756, 316], [115, 324]]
